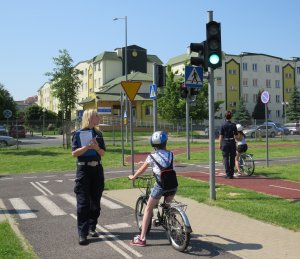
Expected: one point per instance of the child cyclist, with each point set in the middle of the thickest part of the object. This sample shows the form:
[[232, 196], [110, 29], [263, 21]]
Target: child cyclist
[[159, 158], [241, 146]]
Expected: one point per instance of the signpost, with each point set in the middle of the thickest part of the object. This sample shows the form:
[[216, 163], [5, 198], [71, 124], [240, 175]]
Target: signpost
[[131, 88], [265, 98]]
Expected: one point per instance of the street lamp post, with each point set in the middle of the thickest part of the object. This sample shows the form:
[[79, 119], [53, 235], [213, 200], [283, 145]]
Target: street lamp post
[[44, 110], [285, 104], [126, 100]]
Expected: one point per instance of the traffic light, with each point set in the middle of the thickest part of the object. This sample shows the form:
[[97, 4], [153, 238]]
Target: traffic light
[[160, 75], [183, 91], [201, 49], [213, 41], [195, 91]]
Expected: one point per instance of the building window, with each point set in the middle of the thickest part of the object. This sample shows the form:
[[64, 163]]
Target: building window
[[245, 67], [277, 113], [298, 70], [94, 67], [232, 72], [268, 83], [254, 67], [148, 110], [288, 90], [277, 69], [288, 75], [268, 68], [245, 81], [232, 104], [99, 68], [245, 98], [255, 82], [277, 98], [277, 83], [219, 97], [232, 88], [219, 80], [255, 96]]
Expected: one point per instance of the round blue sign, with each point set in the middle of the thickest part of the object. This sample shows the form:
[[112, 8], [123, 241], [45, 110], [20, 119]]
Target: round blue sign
[[265, 97]]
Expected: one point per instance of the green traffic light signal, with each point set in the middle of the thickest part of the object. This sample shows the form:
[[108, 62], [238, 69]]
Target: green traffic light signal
[[214, 59]]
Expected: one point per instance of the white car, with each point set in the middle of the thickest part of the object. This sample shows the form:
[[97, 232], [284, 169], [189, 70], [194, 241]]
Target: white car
[[7, 141]]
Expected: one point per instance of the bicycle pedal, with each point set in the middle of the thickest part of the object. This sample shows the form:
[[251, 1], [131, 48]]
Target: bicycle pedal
[[156, 223]]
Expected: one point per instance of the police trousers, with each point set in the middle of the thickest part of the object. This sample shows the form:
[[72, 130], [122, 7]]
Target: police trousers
[[229, 153], [89, 186]]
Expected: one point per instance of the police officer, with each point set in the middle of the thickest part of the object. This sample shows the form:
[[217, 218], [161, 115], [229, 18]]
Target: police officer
[[88, 146], [227, 144]]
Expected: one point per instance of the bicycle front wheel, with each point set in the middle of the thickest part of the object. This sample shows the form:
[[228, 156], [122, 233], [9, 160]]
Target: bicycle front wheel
[[247, 164], [178, 233], [140, 207]]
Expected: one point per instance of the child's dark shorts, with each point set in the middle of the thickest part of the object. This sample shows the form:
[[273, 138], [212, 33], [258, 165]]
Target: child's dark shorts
[[242, 148]]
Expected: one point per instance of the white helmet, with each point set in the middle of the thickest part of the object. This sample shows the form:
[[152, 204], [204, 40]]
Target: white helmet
[[239, 127], [158, 138]]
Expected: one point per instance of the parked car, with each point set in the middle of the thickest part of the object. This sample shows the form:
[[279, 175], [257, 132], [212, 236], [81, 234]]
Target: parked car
[[217, 131], [3, 131], [260, 131], [279, 127], [7, 141], [17, 131], [293, 127]]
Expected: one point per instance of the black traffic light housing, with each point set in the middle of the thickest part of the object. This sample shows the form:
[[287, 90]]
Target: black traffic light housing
[[213, 41], [183, 90], [160, 75], [201, 49], [195, 91]]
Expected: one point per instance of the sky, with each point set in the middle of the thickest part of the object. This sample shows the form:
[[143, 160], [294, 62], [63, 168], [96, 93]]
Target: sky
[[33, 31]]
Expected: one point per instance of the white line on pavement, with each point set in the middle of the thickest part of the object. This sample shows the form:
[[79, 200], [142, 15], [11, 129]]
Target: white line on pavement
[[44, 188], [287, 188], [110, 204], [117, 226], [50, 206], [38, 188], [22, 209]]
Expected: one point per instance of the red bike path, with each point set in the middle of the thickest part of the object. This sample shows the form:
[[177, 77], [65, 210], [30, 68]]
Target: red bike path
[[277, 187]]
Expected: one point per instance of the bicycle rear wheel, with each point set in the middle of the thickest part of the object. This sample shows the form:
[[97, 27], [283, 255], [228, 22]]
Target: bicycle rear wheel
[[178, 233], [247, 164], [140, 207]]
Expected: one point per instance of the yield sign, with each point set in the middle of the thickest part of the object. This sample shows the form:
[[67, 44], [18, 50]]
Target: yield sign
[[131, 88]]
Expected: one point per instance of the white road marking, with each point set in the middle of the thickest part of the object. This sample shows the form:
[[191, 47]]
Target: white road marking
[[22, 209], [108, 236], [44, 188], [29, 177], [287, 188], [69, 198], [117, 226], [50, 206], [49, 176], [35, 186], [59, 181], [6, 178], [44, 181], [110, 204]]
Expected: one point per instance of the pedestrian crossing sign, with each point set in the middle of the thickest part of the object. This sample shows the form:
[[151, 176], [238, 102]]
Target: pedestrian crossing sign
[[194, 77], [153, 92]]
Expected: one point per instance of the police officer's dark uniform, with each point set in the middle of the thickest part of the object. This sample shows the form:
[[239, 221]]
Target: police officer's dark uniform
[[89, 185], [227, 145]]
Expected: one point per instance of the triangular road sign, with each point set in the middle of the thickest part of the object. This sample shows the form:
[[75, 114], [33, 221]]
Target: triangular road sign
[[194, 78], [131, 88]]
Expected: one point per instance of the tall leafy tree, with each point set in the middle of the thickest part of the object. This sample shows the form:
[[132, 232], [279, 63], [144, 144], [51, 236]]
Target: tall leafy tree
[[64, 86], [293, 109], [241, 114], [7, 102], [259, 109], [172, 107]]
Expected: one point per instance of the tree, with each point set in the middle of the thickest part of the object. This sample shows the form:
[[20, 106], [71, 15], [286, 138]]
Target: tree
[[65, 83], [7, 103], [259, 109], [173, 108], [241, 114], [293, 109]]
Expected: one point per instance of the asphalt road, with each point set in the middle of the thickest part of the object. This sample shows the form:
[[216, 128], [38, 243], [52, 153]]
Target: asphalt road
[[43, 206]]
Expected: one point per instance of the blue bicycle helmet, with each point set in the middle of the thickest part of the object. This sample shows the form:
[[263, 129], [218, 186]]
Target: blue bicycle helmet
[[158, 138]]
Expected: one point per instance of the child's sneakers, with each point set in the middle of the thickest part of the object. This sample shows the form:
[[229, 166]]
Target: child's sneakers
[[137, 241]]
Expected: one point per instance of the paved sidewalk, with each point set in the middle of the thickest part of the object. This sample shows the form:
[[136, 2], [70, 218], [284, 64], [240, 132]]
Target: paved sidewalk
[[232, 232]]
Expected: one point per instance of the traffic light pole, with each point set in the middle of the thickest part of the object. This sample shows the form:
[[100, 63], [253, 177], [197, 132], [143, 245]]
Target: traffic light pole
[[211, 127], [154, 100], [187, 116]]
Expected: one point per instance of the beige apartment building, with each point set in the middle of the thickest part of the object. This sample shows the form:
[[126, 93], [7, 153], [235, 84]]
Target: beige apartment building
[[241, 76]]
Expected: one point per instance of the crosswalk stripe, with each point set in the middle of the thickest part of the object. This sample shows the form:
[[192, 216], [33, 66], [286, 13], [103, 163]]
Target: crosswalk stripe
[[69, 198], [22, 209], [110, 204], [50, 206], [117, 226]]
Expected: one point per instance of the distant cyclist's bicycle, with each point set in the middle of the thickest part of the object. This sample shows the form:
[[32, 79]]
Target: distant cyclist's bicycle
[[247, 164], [171, 216]]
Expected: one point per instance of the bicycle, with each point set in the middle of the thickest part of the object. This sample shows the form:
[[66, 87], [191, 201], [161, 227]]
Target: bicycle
[[171, 216], [247, 164]]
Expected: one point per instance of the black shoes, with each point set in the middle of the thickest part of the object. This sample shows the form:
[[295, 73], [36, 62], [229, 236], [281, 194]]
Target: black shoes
[[94, 233], [229, 177], [83, 241]]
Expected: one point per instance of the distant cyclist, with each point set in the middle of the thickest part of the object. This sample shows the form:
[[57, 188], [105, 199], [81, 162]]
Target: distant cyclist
[[241, 146]]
